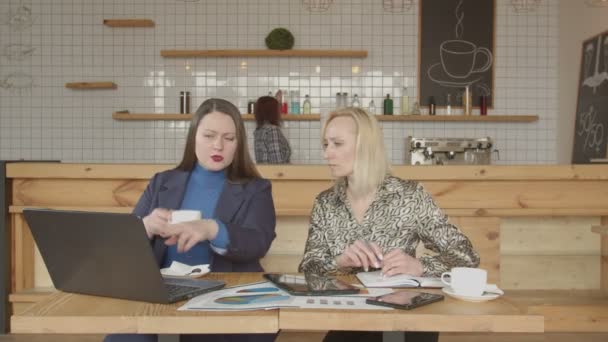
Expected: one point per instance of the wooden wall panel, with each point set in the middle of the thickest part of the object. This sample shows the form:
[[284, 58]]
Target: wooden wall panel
[[287, 249], [549, 272], [77, 192], [22, 256], [527, 195], [320, 172], [291, 235], [550, 253], [281, 263], [297, 194], [604, 265], [293, 194], [519, 194], [549, 236]]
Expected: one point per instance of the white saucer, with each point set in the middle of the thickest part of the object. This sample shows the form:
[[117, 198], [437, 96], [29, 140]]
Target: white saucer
[[486, 296]]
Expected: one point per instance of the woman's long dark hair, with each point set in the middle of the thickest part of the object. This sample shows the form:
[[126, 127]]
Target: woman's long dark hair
[[267, 110], [242, 168]]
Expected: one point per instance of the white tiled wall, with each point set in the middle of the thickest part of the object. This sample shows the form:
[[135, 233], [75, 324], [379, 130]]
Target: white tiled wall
[[48, 121]]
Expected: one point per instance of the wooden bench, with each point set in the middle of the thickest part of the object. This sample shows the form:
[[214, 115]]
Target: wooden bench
[[530, 224]]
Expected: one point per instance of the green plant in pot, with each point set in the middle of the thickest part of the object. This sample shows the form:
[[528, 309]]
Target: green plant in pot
[[280, 39]]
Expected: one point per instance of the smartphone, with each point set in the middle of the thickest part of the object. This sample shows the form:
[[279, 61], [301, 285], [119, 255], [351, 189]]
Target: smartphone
[[405, 300]]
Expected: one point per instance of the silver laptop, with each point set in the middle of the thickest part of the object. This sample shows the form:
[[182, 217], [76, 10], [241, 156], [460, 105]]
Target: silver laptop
[[106, 254]]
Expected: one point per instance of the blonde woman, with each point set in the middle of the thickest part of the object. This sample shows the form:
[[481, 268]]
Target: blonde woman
[[370, 219]]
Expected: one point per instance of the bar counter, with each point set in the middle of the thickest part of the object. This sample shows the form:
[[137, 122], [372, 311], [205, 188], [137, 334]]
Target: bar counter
[[535, 227]]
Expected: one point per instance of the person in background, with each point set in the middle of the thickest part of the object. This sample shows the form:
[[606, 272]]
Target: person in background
[[217, 177], [270, 145], [372, 219]]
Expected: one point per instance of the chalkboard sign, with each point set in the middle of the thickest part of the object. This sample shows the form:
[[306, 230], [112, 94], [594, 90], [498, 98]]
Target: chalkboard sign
[[456, 50], [590, 135]]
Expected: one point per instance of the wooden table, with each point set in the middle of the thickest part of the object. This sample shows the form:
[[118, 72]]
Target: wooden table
[[65, 313], [450, 315]]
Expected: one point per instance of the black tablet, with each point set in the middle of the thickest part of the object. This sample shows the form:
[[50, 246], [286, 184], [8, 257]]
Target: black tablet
[[310, 285], [405, 300]]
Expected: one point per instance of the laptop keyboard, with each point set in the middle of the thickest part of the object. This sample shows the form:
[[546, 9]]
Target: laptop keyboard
[[176, 291]]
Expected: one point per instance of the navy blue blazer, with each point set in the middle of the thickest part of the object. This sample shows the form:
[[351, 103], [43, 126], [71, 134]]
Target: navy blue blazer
[[246, 209]]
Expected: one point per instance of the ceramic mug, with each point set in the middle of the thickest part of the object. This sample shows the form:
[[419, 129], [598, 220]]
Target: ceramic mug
[[466, 281], [178, 216]]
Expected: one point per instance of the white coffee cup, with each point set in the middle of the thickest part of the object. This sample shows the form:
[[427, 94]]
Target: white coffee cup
[[178, 216], [466, 281]]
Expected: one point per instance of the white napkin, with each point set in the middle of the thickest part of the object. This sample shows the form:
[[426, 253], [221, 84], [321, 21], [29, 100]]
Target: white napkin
[[177, 269]]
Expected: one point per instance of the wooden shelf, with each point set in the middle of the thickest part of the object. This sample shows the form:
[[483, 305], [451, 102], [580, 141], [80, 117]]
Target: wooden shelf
[[128, 22], [460, 118], [91, 85], [263, 53], [184, 117]]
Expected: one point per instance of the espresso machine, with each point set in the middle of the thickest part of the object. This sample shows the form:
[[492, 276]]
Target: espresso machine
[[449, 151]]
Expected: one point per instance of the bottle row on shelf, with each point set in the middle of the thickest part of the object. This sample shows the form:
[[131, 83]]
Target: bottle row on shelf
[[290, 102]]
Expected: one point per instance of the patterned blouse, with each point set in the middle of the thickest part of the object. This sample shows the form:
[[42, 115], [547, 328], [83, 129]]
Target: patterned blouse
[[270, 145], [401, 215]]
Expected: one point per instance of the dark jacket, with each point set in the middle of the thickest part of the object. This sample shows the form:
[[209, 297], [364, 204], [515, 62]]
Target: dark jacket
[[246, 209]]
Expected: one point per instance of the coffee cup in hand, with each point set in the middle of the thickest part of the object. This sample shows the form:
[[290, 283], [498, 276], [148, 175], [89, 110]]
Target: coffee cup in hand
[[466, 281], [178, 216]]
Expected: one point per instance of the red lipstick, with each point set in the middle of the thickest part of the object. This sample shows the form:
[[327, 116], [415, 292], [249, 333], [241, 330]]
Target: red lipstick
[[217, 158]]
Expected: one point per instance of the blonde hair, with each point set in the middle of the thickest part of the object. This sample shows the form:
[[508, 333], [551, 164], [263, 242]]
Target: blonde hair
[[371, 164]]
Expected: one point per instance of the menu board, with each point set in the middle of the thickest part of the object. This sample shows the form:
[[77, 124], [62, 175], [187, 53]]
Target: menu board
[[456, 50], [590, 135]]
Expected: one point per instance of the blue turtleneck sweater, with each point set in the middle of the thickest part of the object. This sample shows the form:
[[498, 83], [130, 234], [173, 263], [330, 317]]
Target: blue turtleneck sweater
[[202, 193]]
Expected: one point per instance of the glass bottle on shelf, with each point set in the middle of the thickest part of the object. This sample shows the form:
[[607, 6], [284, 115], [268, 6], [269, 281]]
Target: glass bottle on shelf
[[285, 103], [405, 102], [388, 105], [279, 97], [356, 103], [251, 106], [432, 106], [306, 106], [448, 104], [467, 101], [416, 110], [345, 101], [339, 101], [483, 104], [184, 102], [294, 105], [372, 107]]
